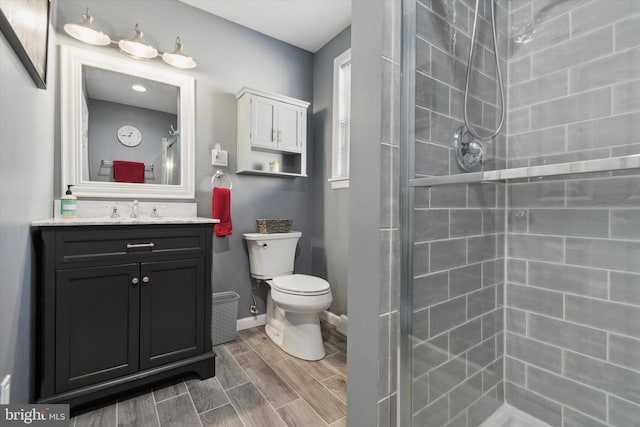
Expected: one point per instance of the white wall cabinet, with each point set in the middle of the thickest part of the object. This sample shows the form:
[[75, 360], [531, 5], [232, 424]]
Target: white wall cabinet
[[271, 128]]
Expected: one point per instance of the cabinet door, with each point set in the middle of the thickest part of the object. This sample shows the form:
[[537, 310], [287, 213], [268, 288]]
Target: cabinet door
[[97, 324], [263, 122], [289, 130], [172, 311]]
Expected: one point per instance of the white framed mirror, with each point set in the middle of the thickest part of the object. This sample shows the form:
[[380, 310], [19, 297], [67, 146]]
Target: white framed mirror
[[121, 141]]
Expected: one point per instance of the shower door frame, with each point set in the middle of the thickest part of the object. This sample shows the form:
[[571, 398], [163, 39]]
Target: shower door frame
[[406, 196]]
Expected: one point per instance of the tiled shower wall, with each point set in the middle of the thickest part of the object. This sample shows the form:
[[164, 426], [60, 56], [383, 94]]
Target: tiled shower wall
[[457, 301], [574, 92], [573, 293], [459, 229], [573, 301], [443, 30]]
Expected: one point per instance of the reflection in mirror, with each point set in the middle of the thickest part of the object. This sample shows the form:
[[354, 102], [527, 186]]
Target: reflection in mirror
[[127, 128], [129, 119]]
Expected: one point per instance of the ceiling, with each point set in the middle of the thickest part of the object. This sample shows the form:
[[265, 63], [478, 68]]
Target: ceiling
[[105, 85], [307, 24]]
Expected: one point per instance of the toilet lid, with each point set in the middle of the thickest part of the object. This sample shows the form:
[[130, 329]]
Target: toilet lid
[[300, 284]]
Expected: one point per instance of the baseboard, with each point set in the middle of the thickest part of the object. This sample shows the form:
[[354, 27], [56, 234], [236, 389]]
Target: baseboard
[[343, 325], [330, 317], [251, 322], [340, 322]]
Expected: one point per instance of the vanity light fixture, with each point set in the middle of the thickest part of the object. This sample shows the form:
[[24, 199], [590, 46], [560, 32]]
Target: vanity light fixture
[[178, 58], [139, 88], [87, 32], [135, 47]]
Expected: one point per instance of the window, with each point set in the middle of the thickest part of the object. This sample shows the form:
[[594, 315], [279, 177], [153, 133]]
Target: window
[[341, 120]]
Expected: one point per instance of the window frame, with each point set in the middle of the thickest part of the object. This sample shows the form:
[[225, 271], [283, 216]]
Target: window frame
[[338, 62]]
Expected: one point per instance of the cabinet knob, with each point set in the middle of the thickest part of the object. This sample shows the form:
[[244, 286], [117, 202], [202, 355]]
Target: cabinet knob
[[146, 279], [135, 281]]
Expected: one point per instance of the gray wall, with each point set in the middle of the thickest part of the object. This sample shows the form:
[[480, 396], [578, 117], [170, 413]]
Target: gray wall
[[364, 215], [229, 57], [574, 283], [329, 242], [26, 191], [373, 221], [105, 118]]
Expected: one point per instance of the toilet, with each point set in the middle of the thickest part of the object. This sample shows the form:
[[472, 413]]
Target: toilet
[[294, 301]]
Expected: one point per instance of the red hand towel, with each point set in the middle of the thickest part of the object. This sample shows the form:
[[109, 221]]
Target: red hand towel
[[221, 209], [128, 171]]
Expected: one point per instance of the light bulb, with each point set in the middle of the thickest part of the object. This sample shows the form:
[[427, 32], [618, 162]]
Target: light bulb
[[86, 31], [178, 58], [136, 47]]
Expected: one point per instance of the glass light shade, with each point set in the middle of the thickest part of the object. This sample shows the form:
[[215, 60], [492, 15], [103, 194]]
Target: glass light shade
[[136, 47], [178, 58], [86, 32]]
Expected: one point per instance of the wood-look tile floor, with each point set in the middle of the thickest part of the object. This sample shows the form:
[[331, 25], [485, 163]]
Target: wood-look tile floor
[[256, 385]]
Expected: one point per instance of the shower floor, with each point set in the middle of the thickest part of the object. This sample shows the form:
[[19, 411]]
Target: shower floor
[[508, 416]]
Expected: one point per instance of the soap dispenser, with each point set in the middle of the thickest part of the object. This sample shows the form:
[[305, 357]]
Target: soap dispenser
[[68, 204]]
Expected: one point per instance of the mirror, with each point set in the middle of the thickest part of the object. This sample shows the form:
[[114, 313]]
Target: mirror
[[127, 128]]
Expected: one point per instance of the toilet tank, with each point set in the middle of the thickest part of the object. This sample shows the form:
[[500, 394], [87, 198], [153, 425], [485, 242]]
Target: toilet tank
[[271, 255]]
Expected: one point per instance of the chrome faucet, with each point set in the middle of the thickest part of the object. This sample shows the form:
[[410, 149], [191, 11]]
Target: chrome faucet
[[154, 211], [134, 209], [114, 210]]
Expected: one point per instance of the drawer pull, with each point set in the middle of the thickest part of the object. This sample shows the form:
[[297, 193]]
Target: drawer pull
[[146, 279], [140, 245], [135, 281]]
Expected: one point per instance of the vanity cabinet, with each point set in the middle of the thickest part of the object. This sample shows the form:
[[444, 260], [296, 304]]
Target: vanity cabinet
[[271, 128], [121, 307]]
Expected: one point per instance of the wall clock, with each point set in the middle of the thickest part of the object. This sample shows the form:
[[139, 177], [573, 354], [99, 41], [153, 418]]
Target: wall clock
[[129, 136]]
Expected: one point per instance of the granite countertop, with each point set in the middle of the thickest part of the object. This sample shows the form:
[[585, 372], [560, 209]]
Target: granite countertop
[[123, 221]]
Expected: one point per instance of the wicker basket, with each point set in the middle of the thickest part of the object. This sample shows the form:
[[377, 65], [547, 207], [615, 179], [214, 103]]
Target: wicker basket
[[267, 226]]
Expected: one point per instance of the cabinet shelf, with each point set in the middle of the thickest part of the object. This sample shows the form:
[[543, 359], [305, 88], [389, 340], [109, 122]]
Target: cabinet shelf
[[267, 173], [274, 150]]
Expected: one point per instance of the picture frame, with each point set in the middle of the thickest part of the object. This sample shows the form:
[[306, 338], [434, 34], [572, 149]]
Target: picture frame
[[25, 25]]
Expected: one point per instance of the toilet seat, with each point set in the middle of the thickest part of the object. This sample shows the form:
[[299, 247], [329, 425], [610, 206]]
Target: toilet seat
[[300, 284]]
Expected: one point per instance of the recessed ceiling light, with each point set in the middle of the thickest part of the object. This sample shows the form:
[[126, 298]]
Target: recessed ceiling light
[[139, 88]]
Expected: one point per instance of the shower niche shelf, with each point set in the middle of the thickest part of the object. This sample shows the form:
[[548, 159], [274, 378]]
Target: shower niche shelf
[[569, 168]]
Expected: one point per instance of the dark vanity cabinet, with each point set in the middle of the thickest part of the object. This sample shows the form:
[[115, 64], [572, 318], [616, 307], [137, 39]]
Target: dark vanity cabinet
[[121, 307]]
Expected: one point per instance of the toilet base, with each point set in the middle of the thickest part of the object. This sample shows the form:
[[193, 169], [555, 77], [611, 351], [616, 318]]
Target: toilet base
[[298, 334]]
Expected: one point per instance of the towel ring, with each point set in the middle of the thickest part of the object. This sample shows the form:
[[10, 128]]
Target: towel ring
[[219, 175]]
